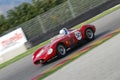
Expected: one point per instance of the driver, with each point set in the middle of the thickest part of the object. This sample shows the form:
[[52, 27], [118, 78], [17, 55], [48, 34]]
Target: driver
[[64, 31]]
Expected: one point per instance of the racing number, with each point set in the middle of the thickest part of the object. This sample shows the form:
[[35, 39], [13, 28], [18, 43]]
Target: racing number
[[78, 35]]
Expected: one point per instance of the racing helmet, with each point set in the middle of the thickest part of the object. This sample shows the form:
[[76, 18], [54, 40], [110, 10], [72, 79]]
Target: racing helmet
[[64, 31]]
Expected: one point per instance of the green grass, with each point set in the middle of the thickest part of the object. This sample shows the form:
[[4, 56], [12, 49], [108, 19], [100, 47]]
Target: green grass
[[30, 51]]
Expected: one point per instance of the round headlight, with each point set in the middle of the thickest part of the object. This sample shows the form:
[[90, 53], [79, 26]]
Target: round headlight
[[50, 51]]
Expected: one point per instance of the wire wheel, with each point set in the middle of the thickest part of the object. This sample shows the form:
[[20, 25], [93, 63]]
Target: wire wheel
[[61, 50], [89, 34]]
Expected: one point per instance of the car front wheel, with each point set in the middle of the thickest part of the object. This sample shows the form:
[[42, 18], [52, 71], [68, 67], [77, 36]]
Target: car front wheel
[[61, 50]]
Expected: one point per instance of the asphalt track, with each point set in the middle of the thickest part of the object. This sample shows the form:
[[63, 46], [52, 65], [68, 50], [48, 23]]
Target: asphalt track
[[100, 63], [25, 70]]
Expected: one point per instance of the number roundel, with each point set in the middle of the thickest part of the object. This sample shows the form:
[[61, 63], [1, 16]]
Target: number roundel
[[78, 35]]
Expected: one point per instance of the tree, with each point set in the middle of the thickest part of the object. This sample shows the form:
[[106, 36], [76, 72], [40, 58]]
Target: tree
[[20, 14], [25, 12], [2, 19], [3, 24]]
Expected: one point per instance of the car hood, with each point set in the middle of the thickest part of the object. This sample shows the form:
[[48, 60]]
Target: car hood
[[42, 52]]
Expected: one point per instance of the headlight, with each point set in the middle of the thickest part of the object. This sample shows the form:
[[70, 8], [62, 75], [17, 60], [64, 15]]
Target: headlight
[[40, 53], [50, 51]]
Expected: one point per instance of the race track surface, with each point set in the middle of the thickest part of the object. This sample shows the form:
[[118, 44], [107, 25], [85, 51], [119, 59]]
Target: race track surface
[[100, 63], [25, 70]]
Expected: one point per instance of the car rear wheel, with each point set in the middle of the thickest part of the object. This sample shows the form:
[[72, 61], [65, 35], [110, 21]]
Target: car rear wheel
[[61, 50], [89, 34]]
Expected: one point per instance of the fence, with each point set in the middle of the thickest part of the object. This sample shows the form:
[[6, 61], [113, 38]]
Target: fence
[[57, 16]]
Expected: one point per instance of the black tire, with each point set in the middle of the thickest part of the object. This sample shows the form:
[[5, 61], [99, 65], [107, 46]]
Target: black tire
[[61, 50], [89, 34]]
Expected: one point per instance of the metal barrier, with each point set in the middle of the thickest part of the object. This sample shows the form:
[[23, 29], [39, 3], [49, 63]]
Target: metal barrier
[[57, 16]]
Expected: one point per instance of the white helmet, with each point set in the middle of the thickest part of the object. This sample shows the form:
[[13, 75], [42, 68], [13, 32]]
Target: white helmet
[[63, 31]]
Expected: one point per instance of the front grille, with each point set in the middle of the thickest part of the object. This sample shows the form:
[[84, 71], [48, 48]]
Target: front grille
[[39, 61]]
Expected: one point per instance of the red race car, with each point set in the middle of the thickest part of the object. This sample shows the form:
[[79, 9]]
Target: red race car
[[61, 43]]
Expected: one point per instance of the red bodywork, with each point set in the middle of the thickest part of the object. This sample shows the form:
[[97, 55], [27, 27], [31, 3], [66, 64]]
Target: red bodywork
[[49, 51]]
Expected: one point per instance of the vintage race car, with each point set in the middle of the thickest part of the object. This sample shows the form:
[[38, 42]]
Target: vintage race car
[[60, 44]]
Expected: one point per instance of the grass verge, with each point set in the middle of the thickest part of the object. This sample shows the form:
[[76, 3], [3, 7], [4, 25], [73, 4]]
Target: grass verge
[[30, 51]]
